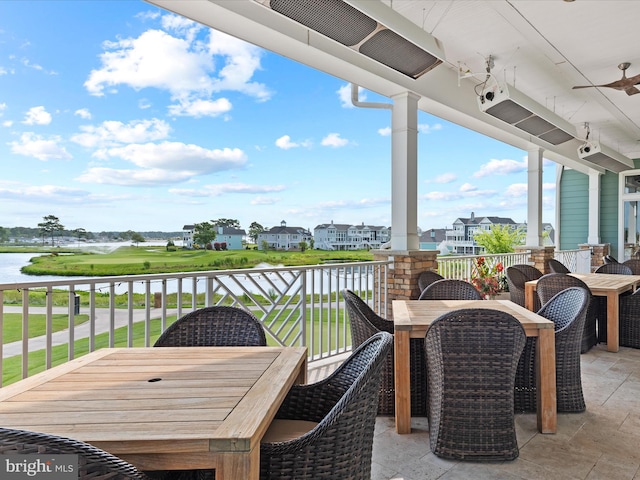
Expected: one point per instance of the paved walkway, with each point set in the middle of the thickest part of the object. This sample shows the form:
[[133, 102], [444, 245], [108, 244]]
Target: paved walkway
[[61, 337]]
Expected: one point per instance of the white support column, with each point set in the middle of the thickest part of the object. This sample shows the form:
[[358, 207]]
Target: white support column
[[404, 172], [534, 197], [593, 237]]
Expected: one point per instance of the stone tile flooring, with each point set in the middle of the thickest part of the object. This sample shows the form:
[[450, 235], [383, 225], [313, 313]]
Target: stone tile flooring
[[601, 443]]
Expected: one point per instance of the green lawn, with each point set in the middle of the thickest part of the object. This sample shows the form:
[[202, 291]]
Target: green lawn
[[12, 325]]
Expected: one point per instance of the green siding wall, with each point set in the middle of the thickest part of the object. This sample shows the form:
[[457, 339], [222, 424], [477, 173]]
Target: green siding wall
[[574, 209], [609, 211]]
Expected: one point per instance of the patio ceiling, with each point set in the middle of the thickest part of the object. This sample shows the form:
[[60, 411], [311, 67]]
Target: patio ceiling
[[539, 50]]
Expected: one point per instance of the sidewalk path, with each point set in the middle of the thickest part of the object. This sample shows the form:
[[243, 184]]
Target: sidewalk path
[[61, 337]]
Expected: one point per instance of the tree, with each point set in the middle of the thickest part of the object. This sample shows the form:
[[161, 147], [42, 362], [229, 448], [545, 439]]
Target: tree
[[50, 226], [80, 233], [137, 238], [254, 229], [226, 222], [500, 239], [204, 233], [303, 246]]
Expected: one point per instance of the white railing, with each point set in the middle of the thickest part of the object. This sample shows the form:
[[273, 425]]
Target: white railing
[[297, 306], [577, 261], [462, 267]]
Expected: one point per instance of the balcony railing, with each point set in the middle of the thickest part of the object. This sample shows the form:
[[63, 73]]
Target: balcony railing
[[462, 267], [297, 305]]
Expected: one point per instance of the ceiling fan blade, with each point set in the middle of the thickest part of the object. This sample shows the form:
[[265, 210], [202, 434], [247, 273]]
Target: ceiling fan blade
[[632, 90]]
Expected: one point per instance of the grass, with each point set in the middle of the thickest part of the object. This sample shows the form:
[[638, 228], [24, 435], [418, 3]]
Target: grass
[[12, 325], [12, 366], [156, 259]]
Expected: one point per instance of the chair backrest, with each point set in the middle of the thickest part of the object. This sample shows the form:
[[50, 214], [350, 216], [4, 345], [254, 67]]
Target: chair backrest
[[609, 259], [567, 306], [450, 289], [427, 277], [634, 265], [516, 278], [553, 283], [472, 357], [363, 321], [92, 462], [214, 326], [614, 268], [529, 271], [557, 267]]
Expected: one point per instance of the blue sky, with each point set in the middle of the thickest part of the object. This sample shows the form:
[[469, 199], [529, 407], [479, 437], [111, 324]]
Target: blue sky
[[121, 116]]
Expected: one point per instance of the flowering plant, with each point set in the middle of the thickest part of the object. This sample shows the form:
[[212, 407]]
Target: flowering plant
[[485, 278]]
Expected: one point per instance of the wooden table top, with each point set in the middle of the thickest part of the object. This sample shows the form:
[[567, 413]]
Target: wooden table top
[[158, 400], [602, 283], [417, 315]]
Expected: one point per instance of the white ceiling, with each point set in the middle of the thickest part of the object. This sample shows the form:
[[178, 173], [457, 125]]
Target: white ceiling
[[540, 47]]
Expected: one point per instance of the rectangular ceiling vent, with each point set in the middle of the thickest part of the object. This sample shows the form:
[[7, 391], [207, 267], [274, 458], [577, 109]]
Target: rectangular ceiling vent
[[604, 156], [349, 26], [515, 108]]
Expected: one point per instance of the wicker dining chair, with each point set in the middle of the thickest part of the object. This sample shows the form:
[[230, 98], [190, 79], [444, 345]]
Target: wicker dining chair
[[214, 326], [634, 265], [364, 323], [629, 320], [427, 277], [609, 259], [472, 356], [567, 309], [93, 463], [552, 283], [614, 268], [331, 422], [450, 289], [557, 267], [516, 278]]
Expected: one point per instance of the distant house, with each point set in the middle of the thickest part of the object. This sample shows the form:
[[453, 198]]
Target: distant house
[[460, 237], [340, 236], [432, 238], [231, 236], [283, 237]]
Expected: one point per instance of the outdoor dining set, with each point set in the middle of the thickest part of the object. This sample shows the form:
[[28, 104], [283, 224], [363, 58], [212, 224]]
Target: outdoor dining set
[[232, 407]]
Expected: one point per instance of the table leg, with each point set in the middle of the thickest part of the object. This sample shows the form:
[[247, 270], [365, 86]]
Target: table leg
[[529, 293], [402, 381], [613, 339], [546, 381], [233, 466]]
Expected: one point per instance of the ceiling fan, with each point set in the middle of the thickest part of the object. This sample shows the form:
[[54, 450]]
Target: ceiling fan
[[626, 84]]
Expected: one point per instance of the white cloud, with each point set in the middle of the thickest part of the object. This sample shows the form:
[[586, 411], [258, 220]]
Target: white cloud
[[516, 190], [32, 145], [501, 167], [3, 107], [215, 190], [467, 188], [7, 123], [129, 177], [445, 178], [426, 128], [285, 143], [262, 200], [37, 116], [111, 133], [334, 140], [200, 108], [83, 113], [344, 94], [45, 193], [385, 131]]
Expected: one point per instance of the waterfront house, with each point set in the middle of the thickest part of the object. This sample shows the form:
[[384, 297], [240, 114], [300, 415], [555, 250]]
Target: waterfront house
[[342, 236], [283, 237]]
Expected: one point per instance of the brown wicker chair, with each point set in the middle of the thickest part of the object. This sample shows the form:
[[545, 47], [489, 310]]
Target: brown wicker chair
[[344, 407], [450, 289], [516, 278], [93, 463], [629, 320], [614, 269], [364, 323], [214, 326], [567, 310], [556, 282], [557, 267], [426, 278], [634, 265], [472, 355]]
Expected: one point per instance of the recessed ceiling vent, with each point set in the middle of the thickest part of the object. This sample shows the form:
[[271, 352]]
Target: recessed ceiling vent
[[351, 27], [518, 110]]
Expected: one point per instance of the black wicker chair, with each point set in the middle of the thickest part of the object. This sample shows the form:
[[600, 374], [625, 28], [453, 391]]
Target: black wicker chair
[[629, 320], [567, 310], [93, 463], [426, 278], [516, 278], [472, 355], [364, 323], [557, 267], [344, 406], [450, 289], [609, 259], [554, 283], [634, 265], [214, 326], [614, 269]]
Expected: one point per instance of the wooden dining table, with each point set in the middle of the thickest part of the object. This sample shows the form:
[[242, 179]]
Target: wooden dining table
[[170, 408], [411, 319], [605, 285]]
